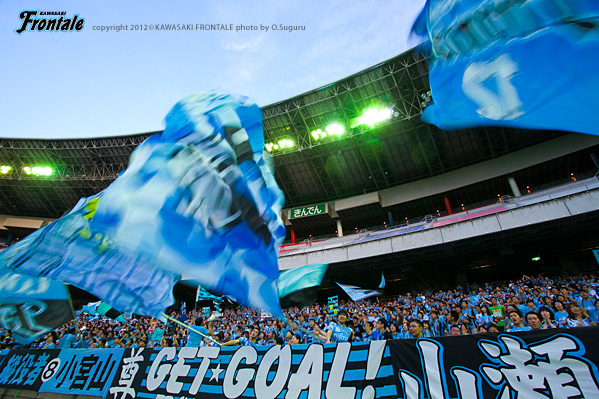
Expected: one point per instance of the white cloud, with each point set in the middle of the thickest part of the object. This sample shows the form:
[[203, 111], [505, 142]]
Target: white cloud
[[253, 45], [246, 75]]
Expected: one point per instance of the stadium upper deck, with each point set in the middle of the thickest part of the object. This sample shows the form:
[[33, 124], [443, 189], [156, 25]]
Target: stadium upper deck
[[359, 135]]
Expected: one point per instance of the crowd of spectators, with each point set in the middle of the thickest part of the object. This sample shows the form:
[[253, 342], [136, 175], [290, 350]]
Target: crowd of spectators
[[528, 304]]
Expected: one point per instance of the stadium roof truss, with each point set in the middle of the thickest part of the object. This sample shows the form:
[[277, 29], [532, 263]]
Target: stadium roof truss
[[363, 159]]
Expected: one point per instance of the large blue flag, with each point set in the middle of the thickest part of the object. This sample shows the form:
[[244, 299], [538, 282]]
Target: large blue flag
[[526, 64], [197, 201], [32, 306]]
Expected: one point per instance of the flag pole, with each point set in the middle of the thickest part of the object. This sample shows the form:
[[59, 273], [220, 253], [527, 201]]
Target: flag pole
[[189, 328]]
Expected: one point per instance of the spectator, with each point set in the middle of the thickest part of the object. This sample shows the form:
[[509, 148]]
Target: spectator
[[533, 319], [548, 319], [338, 331], [416, 329], [455, 330], [68, 340], [578, 317], [516, 320], [194, 339]]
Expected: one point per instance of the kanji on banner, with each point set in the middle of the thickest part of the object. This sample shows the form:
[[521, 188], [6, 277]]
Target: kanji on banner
[[21, 369], [544, 364], [81, 372]]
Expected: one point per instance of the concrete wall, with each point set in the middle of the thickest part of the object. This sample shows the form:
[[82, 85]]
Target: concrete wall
[[552, 209]]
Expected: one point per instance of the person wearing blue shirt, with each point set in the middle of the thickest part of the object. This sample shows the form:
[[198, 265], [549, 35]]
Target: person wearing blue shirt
[[561, 316], [69, 340], [588, 304], [243, 341], [50, 341], [547, 318], [516, 319], [437, 326], [521, 307], [530, 306], [380, 333], [195, 339], [338, 331], [416, 328], [533, 319]]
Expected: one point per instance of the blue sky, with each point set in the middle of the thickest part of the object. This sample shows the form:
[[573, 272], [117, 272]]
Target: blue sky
[[93, 84]]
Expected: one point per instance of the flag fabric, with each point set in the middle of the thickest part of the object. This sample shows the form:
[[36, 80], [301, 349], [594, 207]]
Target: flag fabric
[[299, 287], [523, 64], [357, 293], [197, 201], [183, 312], [300, 278], [104, 309], [32, 306], [71, 250], [204, 295], [110, 312], [382, 284], [91, 307]]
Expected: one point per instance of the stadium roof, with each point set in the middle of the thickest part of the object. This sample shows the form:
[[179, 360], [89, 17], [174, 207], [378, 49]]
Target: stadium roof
[[362, 159]]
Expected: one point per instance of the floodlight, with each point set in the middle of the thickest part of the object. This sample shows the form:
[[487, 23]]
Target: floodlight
[[335, 128], [372, 116], [38, 170]]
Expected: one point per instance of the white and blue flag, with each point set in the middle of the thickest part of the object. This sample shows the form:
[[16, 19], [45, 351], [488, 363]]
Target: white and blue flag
[[197, 201], [204, 295], [357, 293], [523, 64]]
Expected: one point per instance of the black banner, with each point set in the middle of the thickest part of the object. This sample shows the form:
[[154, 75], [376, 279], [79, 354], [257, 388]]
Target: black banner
[[343, 371], [545, 364], [68, 371]]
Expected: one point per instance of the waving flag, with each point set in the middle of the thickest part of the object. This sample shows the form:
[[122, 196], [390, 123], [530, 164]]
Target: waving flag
[[357, 293], [32, 306], [183, 312], [382, 284], [70, 250], [91, 307], [110, 312], [525, 64], [298, 287], [196, 202], [301, 278], [204, 295]]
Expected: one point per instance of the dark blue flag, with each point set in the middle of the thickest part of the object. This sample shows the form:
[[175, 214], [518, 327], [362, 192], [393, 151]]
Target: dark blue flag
[[183, 312]]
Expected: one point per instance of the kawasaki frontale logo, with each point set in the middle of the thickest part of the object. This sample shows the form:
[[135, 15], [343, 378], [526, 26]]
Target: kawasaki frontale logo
[[32, 23]]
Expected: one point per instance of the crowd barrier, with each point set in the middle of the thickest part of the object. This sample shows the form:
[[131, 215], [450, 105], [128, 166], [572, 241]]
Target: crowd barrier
[[544, 364]]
